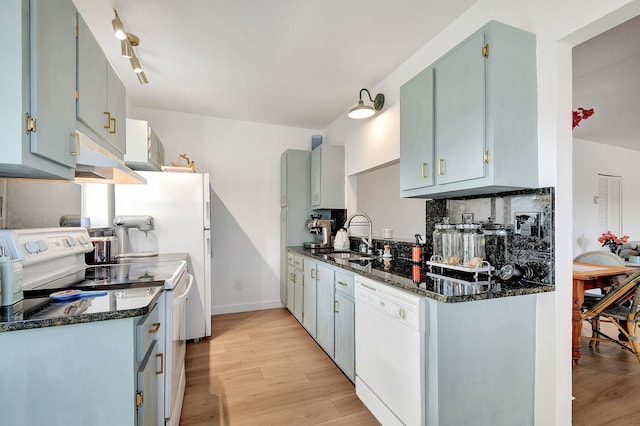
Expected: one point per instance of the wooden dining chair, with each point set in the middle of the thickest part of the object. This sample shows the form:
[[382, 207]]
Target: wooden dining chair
[[615, 307]]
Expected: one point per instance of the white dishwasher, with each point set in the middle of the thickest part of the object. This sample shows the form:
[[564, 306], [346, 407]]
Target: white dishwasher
[[390, 352]]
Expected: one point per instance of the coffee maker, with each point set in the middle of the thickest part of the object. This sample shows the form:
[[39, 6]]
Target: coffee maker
[[321, 230]]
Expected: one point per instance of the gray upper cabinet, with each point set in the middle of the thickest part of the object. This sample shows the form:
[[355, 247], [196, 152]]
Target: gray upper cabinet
[[37, 112], [101, 105], [473, 128], [144, 149], [327, 177], [416, 130]]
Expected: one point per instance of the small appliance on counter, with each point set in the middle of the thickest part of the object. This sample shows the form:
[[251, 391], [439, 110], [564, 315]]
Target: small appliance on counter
[[341, 241], [321, 230], [123, 224]]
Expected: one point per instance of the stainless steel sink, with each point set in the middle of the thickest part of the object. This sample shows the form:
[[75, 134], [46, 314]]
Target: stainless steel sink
[[346, 255]]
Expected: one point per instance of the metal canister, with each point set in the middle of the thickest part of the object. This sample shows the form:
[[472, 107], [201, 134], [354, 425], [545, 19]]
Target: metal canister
[[470, 244], [445, 242]]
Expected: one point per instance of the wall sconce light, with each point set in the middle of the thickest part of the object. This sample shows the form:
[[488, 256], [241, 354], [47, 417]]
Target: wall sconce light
[[127, 42], [364, 111]]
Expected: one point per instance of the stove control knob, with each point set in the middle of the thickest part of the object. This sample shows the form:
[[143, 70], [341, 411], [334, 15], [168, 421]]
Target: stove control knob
[[42, 246], [70, 241], [31, 247], [82, 240]]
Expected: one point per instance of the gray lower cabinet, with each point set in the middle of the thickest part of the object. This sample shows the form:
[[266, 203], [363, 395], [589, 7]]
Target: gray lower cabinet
[[325, 315], [298, 289], [99, 373], [344, 311], [468, 123], [317, 275], [37, 82], [328, 309], [311, 273]]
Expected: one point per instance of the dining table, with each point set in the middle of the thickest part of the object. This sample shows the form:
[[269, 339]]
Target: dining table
[[588, 276]]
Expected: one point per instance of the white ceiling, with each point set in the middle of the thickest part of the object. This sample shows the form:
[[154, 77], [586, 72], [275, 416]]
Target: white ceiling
[[287, 62], [606, 77]]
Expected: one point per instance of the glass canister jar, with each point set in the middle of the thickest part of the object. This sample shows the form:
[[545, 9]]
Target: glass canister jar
[[470, 244], [495, 243], [445, 242]]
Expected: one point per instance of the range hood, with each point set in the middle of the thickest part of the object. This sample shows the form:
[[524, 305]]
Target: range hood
[[95, 164]]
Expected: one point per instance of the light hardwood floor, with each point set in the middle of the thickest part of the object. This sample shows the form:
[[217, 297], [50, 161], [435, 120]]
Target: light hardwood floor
[[262, 368], [606, 385]]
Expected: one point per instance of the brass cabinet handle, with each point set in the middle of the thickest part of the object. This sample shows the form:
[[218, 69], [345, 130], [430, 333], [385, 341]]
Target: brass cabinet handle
[[108, 114], [335, 306], [77, 138], [342, 283], [156, 326], [424, 168], [441, 166], [112, 120], [312, 274], [30, 124], [161, 356]]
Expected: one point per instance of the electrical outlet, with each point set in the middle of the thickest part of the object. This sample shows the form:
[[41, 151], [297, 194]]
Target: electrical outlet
[[238, 285]]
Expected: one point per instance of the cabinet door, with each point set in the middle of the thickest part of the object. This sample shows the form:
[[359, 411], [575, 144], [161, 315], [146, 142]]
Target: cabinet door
[[298, 294], [345, 335], [460, 113], [416, 132], [53, 63], [324, 291], [291, 289], [147, 389], [92, 79], [283, 179], [311, 273], [316, 167], [116, 105]]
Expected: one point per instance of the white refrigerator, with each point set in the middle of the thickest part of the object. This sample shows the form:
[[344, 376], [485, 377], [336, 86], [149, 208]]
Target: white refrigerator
[[180, 203]]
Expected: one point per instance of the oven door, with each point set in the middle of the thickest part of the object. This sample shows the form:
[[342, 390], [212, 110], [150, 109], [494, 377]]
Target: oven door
[[176, 347]]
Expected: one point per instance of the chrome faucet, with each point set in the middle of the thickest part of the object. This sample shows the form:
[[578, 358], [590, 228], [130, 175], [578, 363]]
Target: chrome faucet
[[368, 241]]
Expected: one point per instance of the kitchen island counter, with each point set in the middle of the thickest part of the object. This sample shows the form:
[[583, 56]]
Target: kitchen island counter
[[40, 312], [399, 273]]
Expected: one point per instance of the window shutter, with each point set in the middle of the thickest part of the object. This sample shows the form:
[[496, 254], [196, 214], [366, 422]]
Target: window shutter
[[610, 204]]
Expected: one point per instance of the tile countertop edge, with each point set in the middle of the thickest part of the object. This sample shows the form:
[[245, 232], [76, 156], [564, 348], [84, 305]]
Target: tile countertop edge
[[78, 319], [408, 285]]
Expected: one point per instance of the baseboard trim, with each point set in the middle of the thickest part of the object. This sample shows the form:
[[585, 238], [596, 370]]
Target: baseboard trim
[[246, 307]]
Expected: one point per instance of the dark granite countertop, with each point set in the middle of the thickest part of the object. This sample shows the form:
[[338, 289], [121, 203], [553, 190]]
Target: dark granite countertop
[[39, 312], [433, 282]]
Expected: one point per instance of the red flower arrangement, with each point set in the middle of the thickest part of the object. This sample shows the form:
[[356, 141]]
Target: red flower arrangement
[[581, 114], [611, 240]]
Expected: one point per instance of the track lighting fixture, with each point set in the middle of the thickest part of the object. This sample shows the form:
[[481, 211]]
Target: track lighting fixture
[[118, 27], [364, 111], [127, 42]]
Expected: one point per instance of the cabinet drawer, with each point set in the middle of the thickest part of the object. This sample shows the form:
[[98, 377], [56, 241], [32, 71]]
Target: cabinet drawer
[[344, 283], [147, 330], [290, 257], [297, 262]]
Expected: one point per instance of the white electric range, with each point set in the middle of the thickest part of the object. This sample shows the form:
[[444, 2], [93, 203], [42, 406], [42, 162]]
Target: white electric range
[[53, 259]]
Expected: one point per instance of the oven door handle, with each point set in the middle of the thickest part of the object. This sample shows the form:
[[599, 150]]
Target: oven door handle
[[178, 300]]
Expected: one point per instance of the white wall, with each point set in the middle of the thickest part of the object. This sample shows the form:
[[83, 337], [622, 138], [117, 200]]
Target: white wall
[[378, 195], [558, 25], [243, 160], [589, 160]]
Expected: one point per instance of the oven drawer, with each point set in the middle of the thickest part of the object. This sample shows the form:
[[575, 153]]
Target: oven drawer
[[147, 330]]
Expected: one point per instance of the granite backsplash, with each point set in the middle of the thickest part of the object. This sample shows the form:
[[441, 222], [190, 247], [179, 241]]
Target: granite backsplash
[[528, 219]]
